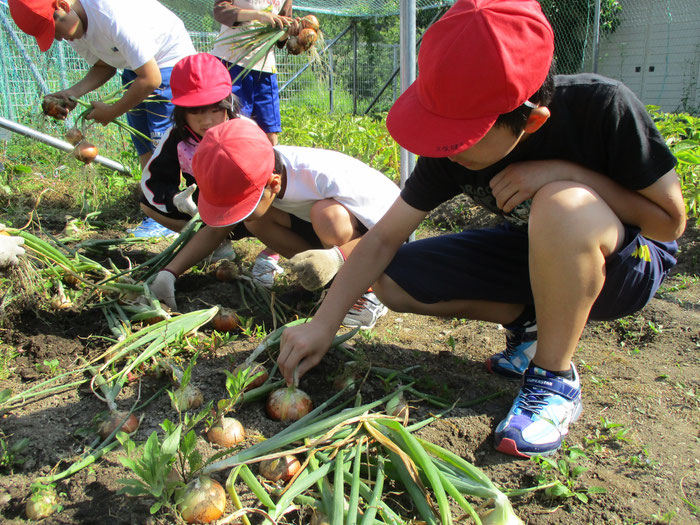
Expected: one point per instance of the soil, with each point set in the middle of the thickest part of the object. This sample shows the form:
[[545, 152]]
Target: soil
[[640, 428]]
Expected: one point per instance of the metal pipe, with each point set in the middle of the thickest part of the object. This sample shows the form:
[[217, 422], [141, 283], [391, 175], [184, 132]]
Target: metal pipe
[[354, 67], [407, 40], [596, 36], [57, 143]]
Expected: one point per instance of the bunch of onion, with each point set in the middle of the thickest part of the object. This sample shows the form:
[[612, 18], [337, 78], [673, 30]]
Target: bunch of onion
[[203, 501], [307, 36]]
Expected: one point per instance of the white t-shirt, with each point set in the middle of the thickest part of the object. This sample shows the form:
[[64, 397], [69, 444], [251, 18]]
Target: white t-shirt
[[223, 47], [316, 174], [128, 33]]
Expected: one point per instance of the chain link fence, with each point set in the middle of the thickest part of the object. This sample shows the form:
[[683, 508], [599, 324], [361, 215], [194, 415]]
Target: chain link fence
[[652, 45]]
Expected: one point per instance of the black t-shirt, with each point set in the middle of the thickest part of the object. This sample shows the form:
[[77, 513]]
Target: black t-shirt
[[595, 122]]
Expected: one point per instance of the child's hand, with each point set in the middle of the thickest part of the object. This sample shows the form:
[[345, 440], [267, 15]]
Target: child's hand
[[183, 201], [10, 248], [273, 20], [163, 287], [293, 28], [317, 267], [59, 104], [101, 113], [302, 346]]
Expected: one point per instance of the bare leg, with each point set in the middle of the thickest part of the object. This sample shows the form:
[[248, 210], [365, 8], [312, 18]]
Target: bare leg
[[274, 230], [172, 224], [272, 137], [144, 158], [334, 224]]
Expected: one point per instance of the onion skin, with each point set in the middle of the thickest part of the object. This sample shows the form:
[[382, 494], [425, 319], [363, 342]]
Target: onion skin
[[310, 22], [307, 38], [41, 504], [255, 368], [293, 47], [276, 469], [226, 271], [85, 152], [188, 398], [74, 136], [288, 404], [226, 320], [129, 426], [398, 408], [204, 501], [226, 432]]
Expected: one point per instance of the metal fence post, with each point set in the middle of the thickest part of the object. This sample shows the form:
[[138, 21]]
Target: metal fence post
[[596, 36], [354, 67], [330, 81]]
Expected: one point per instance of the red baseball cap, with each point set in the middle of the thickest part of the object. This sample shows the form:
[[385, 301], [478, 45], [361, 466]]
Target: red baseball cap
[[232, 165], [199, 80], [35, 17], [482, 59]]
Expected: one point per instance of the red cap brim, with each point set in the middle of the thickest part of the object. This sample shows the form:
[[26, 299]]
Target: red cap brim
[[219, 216], [45, 40], [202, 98], [424, 133]]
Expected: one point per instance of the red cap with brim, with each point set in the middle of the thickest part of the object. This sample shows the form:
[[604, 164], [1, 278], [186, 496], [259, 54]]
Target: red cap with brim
[[199, 80], [35, 17], [232, 165], [482, 59]]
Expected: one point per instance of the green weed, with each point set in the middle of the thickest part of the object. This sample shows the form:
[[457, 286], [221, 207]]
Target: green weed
[[562, 475]]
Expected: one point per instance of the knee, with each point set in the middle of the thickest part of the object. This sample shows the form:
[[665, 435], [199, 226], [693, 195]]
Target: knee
[[393, 296], [332, 222]]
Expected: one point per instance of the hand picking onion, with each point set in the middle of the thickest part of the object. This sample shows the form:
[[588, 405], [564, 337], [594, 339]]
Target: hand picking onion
[[293, 47], [307, 38], [256, 370], [204, 501], [85, 151], [310, 22], [227, 271], [288, 404], [276, 469], [74, 135], [225, 320], [227, 432], [42, 503], [187, 398], [54, 107], [128, 424]]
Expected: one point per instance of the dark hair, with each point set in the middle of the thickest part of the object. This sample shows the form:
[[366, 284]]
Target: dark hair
[[516, 119], [279, 165], [229, 104]]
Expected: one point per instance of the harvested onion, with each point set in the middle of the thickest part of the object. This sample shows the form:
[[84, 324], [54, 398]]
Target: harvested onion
[[293, 47], [226, 432], [310, 22], [227, 271], [128, 424], [204, 501], [288, 404], [256, 371], [74, 135], [307, 38], [398, 408], [276, 469], [85, 151], [42, 503], [225, 320], [187, 398]]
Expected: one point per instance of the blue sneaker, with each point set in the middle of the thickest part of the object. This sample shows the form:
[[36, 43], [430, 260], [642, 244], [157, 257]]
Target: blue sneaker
[[521, 345], [540, 416], [150, 228]]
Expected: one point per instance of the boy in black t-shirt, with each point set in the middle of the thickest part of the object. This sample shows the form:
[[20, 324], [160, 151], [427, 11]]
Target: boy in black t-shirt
[[591, 202]]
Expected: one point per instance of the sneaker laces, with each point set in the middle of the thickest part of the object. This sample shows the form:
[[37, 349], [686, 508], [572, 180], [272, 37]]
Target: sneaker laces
[[533, 399]]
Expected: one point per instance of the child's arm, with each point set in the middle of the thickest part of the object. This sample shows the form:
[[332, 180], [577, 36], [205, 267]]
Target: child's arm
[[226, 13], [305, 345], [657, 210], [97, 76], [147, 79]]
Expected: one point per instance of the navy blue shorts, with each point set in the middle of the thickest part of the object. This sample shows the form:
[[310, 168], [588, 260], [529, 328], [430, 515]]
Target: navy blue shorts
[[492, 265], [151, 118], [258, 96]]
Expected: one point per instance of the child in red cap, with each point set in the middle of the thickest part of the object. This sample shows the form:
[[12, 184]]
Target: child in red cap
[[310, 205], [141, 37], [573, 164]]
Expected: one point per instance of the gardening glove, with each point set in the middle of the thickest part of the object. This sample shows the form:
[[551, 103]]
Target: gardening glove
[[183, 201], [317, 267], [10, 248], [163, 287]]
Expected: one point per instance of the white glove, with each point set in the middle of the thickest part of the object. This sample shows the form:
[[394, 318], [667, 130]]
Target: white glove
[[163, 287], [317, 267], [183, 201], [10, 248]]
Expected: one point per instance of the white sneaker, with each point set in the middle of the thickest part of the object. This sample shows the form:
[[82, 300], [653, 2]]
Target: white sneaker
[[264, 270], [365, 312], [223, 251]]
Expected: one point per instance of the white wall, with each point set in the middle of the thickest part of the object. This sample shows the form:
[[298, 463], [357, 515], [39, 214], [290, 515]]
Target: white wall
[[656, 52]]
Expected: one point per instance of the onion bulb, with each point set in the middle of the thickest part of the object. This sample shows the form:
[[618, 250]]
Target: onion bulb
[[85, 151], [204, 501], [310, 22], [227, 271], [225, 320], [276, 469], [227, 432], [187, 398], [256, 371], [293, 47], [307, 38], [42, 503], [398, 408], [128, 424], [74, 135], [288, 404]]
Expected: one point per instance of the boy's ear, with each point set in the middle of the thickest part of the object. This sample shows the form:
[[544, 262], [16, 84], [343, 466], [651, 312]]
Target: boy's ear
[[275, 183], [63, 5], [537, 118]]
